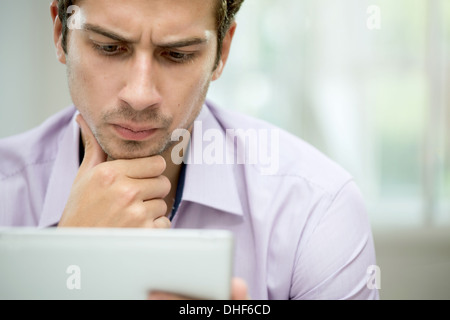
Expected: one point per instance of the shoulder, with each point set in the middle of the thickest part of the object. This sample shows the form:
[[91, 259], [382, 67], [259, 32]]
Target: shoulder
[[283, 157], [308, 205], [35, 147]]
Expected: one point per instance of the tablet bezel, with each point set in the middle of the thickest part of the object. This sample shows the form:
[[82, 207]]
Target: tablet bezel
[[114, 263]]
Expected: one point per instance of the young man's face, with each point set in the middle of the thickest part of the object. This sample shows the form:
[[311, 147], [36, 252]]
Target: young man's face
[[139, 69]]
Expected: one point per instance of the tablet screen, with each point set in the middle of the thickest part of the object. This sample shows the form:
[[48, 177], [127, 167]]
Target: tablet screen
[[114, 263]]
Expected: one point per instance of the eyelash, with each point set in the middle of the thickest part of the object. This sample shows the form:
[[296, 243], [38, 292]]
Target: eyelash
[[102, 49], [182, 57]]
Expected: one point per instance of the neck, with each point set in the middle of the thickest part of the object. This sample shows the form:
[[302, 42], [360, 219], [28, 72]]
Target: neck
[[172, 172]]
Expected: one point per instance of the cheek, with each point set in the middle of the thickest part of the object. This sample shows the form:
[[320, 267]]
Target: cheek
[[191, 81], [190, 103], [92, 89], [98, 81]]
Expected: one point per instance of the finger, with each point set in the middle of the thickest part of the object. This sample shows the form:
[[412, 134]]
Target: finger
[[141, 190], [154, 188], [239, 289], [93, 153], [162, 223], [158, 295], [141, 168], [154, 209]]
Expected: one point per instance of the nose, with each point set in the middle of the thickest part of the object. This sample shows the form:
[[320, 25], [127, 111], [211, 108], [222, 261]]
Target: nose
[[141, 88]]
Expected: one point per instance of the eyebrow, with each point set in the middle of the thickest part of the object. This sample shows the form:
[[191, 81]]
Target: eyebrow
[[183, 43], [169, 45], [106, 33]]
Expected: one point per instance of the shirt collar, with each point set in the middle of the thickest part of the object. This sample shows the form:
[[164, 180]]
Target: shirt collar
[[215, 186], [212, 185]]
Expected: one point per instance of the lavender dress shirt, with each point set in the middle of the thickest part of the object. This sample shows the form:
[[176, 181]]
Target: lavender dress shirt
[[301, 231]]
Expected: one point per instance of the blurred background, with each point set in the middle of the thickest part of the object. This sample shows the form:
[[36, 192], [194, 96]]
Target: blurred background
[[365, 81]]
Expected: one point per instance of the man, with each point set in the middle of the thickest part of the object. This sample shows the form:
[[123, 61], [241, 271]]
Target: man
[[138, 73]]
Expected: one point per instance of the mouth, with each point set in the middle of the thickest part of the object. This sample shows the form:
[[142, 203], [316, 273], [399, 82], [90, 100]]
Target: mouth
[[134, 133]]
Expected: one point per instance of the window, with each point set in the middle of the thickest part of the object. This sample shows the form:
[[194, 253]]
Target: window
[[363, 81]]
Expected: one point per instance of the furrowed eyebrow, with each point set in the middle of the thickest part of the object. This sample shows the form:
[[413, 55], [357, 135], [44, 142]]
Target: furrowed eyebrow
[[168, 45], [105, 33], [183, 43]]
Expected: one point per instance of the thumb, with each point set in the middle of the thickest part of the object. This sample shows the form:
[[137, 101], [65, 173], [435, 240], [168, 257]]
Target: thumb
[[239, 289], [93, 153]]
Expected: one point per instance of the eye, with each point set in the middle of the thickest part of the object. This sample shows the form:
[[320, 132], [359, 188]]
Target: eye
[[178, 57], [109, 49]]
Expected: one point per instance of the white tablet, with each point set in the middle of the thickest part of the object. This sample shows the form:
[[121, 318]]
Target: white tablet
[[114, 263]]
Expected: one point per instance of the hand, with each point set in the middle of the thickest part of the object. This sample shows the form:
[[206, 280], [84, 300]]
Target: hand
[[239, 291], [121, 193]]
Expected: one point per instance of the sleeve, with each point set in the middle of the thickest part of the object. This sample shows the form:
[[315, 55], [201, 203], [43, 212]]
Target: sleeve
[[335, 263]]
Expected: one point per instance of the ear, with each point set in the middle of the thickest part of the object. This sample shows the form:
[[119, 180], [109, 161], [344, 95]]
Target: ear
[[226, 46], [57, 32]]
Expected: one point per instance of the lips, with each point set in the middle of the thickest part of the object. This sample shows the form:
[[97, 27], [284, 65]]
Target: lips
[[134, 133]]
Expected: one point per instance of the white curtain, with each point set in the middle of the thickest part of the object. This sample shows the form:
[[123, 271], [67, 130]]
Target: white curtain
[[362, 80]]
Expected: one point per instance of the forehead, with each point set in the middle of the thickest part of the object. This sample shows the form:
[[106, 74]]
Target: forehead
[[151, 18]]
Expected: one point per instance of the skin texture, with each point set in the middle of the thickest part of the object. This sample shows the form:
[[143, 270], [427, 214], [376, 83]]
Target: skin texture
[[134, 81], [142, 77]]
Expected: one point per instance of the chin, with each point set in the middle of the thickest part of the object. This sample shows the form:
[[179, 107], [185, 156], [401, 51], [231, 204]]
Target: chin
[[134, 150]]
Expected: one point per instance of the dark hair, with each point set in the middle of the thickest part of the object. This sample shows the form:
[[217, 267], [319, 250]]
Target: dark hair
[[226, 12]]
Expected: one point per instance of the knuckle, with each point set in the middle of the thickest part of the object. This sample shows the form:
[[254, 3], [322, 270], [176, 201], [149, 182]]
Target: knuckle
[[158, 208], [138, 215], [161, 207], [127, 193], [105, 174], [165, 184], [159, 163], [162, 223]]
